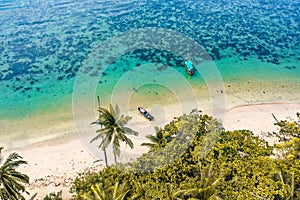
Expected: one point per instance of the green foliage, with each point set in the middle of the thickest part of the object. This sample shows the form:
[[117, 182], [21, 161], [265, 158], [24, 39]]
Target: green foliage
[[202, 186], [99, 192], [289, 129], [84, 182], [251, 178], [193, 157], [54, 196], [290, 133], [113, 130], [289, 163], [159, 140], [12, 182]]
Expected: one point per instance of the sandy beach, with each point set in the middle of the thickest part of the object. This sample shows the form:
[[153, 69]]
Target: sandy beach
[[53, 164]]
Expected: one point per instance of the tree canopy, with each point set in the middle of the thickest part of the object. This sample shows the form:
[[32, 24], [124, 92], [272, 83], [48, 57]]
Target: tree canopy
[[12, 182], [201, 160], [113, 129]]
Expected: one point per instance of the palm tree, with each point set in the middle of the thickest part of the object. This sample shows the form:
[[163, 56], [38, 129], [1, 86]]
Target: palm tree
[[113, 129], [204, 188], [97, 122], [158, 140], [116, 192], [11, 181]]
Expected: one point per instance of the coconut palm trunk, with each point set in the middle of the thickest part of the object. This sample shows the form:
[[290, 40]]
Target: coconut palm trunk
[[105, 155], [115, 156]]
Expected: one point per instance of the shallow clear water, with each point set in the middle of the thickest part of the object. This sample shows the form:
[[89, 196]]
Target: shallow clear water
[[44, 44]]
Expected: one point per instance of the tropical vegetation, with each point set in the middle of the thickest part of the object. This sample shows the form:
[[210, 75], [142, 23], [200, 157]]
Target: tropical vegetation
[[193, 157], [12, 182], [54, 196], [113, 129], [157, 141]]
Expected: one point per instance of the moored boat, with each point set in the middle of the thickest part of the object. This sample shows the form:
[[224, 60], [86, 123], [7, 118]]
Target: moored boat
[[188, 65], [145, 113]]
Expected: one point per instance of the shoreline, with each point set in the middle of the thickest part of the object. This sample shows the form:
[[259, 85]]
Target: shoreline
[[54, 163], [46, 124]]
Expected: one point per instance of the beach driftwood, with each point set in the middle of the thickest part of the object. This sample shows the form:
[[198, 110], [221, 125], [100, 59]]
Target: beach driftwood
[[275, 118], [99, 160], [32, 198]]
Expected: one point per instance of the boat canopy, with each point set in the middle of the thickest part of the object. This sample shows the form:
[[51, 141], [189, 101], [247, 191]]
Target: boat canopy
[[189, 64]]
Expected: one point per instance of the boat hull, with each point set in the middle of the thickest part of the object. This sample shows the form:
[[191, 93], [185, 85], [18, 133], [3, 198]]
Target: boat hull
[[188, 65], [145, 113]]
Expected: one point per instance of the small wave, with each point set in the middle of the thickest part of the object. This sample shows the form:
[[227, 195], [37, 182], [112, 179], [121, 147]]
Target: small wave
[[64, 4], [115, 8], [10, 5], [38, 22]]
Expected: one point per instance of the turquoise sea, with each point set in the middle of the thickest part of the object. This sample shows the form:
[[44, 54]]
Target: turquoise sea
[[139, 46]]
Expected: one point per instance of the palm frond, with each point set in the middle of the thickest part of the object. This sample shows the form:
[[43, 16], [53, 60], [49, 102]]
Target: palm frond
[[2, 194], [152, 138], [130, 131], [14, 184], [1, 158], [116, 147], [105, 142], [151, 145], [19, 177], [216, 183], [11, 160], [155, 142], [97, 122], [117, 111], [98, 192], [120, 192], [123, 120], [129, 142], [115, 190], [12, 181], [112, 111], [10, 190], [106, 116], [157, 129], [100, 135], [105, 129]]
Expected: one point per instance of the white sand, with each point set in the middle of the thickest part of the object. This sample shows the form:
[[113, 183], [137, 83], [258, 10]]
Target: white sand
[[258, 117], [53, 164]]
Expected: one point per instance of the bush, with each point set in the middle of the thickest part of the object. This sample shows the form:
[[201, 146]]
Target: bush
[[53, 196]]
